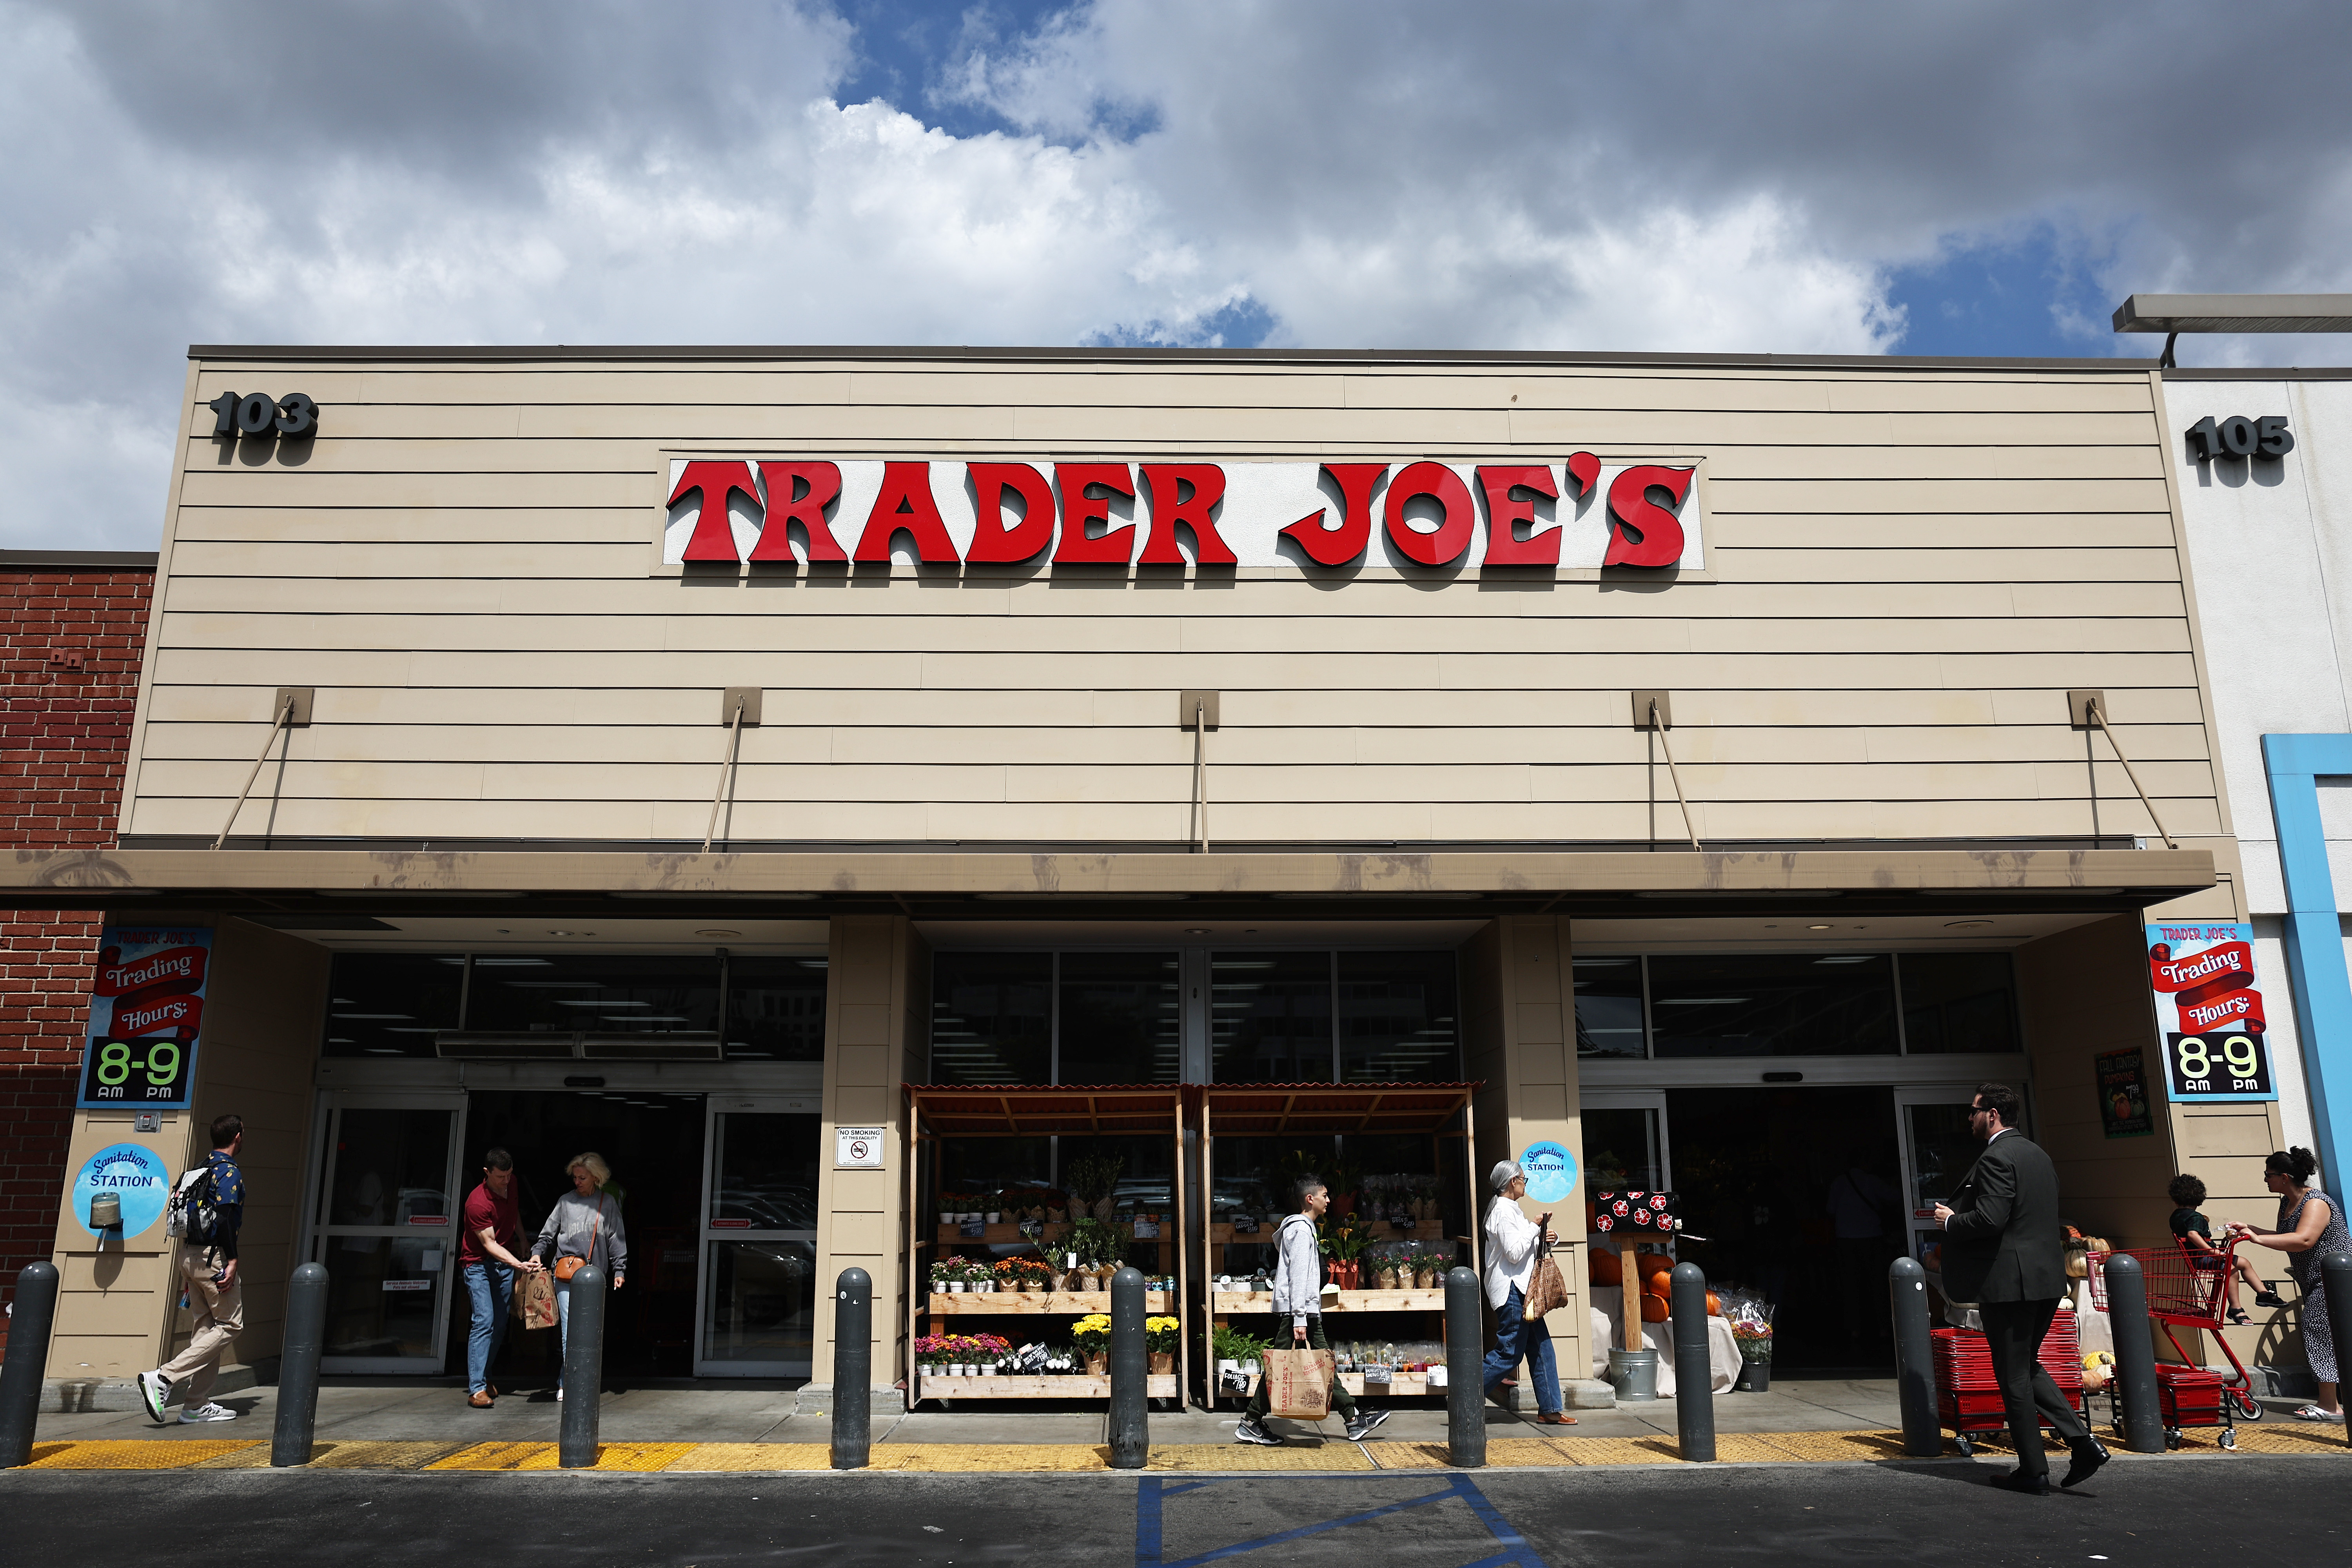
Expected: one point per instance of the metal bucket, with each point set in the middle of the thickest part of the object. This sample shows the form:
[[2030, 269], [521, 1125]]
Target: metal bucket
[[1634, 1374]]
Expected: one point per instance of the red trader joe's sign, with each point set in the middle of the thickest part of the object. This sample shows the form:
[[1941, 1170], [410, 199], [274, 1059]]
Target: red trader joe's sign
[[146, 1012], [1580, 513]]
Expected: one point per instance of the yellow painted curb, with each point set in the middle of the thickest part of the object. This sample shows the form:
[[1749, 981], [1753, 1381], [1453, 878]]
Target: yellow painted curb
[[935, 1458], [549, 1456], [154, 1454], [758, 1457], [1248, 1456]]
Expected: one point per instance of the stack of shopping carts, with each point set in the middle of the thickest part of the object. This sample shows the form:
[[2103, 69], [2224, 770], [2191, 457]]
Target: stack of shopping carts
[[1968, 1399]]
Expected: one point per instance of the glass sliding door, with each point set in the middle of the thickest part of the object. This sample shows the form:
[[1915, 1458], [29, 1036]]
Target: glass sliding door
[[1938, 1151], [385, 1228], [759, 1238]]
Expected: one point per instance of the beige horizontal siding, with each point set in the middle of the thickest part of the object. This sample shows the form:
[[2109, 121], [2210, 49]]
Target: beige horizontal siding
[[1907, 571]]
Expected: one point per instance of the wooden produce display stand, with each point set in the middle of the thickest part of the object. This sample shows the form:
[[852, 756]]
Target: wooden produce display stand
[[1442, 1110], [938, 1111]]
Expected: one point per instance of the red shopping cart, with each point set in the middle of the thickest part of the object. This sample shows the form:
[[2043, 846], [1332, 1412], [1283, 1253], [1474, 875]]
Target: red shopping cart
[[2182, 1295], [1967, 1398]]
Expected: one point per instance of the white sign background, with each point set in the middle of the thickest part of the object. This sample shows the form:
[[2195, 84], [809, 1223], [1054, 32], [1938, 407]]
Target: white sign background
[[1261, 499], [857, 1148]]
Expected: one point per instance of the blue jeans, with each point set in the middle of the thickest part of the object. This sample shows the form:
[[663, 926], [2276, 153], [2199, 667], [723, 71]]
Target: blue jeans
[[489, 1285], [1517, 1339]]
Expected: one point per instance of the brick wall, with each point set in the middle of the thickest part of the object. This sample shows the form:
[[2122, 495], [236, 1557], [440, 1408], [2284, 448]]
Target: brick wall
[[71, 661]]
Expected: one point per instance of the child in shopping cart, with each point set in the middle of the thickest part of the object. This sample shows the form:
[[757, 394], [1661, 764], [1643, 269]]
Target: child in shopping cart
[[2195, 1233]]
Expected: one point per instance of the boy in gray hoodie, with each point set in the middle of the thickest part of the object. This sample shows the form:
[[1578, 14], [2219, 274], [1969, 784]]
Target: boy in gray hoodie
[[1299, 1293]]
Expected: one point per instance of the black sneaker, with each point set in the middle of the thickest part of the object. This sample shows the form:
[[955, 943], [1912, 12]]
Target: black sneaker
[[1364, 1423], [2269, 1299], [1250, 1431]]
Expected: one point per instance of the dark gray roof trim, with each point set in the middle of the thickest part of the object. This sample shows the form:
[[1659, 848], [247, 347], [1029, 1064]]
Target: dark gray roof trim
[[109, 560], [567, 352], [2274, 373]]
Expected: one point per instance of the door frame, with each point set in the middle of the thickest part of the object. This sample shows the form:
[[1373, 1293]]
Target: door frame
[[1953, 1092], [316, 1231], [716, 1104]]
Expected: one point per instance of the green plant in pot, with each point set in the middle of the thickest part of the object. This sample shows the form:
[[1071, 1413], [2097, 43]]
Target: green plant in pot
[[1092, 1180]]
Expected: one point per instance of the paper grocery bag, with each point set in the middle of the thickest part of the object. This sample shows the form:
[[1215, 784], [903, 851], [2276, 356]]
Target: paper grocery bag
[[1298, 1383], [535, 1299]]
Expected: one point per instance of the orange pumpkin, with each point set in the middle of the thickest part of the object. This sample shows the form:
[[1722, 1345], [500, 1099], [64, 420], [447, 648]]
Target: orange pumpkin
[[1604, 1267], [1661, 1286], [1654, 1308], [1655, 1262], [1714, 1305]]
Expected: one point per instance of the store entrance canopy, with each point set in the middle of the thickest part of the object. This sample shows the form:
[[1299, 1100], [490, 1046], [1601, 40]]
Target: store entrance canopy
[[1035, 1111], [1273, 1109]]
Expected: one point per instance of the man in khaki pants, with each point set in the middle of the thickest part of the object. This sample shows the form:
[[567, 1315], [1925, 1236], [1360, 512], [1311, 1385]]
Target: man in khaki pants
[[216, 1208]]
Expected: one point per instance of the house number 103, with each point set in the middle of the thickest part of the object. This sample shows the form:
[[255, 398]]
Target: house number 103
[[259, 414]]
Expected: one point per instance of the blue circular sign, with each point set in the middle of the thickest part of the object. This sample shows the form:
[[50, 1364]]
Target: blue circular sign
[[132, 1174], [1550, 1170]]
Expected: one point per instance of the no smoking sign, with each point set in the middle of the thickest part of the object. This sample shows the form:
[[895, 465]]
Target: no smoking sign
[[857, 1148]]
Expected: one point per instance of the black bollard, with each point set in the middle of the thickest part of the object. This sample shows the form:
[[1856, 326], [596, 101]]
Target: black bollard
[[2135, 1355], [298, 1366], [29, 1360], [1915, 1359], [1130, 1371], [1466, 1373], [1694, 1372], [583, 1369], [853, 1370], [2335, 1280]]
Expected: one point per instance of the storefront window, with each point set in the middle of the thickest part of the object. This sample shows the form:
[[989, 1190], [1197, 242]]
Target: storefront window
[[1270, 1017], [1609, 1008], [392, 1004], [1120, 1018], [1397, 1018], [775, 1009], [1772, 1004], [991, 1017], [1959, 1002], [1622, 1149], [598, 993]]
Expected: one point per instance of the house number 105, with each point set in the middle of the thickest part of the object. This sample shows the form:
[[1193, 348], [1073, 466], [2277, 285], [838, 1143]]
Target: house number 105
[[257, 414], [2239, 437]]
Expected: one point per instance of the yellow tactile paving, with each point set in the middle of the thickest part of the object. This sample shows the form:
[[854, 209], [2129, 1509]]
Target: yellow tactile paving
[[1246, 1456], [157, 1454], [549, 1456], [987, 1457], [758, 1457], [1007, 1459]]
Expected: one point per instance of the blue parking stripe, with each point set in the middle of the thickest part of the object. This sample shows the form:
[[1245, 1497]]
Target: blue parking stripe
[[1151, 1493]]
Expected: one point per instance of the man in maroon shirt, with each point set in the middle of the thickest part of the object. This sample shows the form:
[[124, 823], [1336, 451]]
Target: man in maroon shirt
[[491, 1236]]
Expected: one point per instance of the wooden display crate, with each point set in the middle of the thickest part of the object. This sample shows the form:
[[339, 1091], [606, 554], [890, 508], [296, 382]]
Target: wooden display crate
[[1002, 1303], [1346, 1301], [1160, 1386]]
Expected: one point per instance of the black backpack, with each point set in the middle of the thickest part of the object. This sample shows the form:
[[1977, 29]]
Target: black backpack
[[192, 1211]]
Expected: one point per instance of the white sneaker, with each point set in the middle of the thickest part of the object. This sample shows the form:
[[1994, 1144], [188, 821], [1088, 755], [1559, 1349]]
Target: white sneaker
[[155, 1393], [206, 1413]]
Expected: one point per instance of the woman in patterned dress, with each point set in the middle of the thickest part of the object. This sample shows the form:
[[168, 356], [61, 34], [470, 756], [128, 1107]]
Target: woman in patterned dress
[[2310, 1226]]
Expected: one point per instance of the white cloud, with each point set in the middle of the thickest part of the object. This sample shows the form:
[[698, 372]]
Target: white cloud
[[1685, 177]]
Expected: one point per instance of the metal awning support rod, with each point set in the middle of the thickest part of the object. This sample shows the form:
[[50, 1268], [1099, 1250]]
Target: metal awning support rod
[[278, 720], [735, 702], [2093, 709], [1197, 711], [1651, 711]]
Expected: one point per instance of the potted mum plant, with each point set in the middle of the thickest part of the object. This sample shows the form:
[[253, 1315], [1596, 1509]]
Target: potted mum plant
[[1091, 1335], [1160, 1338]]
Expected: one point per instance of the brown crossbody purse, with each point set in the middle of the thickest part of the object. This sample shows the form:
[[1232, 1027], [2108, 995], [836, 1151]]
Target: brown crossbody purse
[[565, 1267]]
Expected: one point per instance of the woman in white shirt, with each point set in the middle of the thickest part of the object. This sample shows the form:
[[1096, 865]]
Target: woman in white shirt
[[1513, 1242]]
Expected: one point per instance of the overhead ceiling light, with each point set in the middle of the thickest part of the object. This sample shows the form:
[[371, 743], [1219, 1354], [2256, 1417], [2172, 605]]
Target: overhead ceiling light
[[1196, 930], [1823, 927]]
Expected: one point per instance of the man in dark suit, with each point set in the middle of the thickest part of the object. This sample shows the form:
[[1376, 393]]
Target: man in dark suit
[[2004, 1249]]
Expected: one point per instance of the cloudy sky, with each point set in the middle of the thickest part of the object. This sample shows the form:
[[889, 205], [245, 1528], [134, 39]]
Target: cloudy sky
[[1799, 177]]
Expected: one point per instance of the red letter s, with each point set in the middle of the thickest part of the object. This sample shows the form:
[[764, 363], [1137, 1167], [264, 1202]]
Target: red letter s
[[1645, 533]]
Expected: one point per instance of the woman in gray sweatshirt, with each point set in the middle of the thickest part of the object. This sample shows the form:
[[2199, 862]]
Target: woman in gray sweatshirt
[[585, 1223]]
